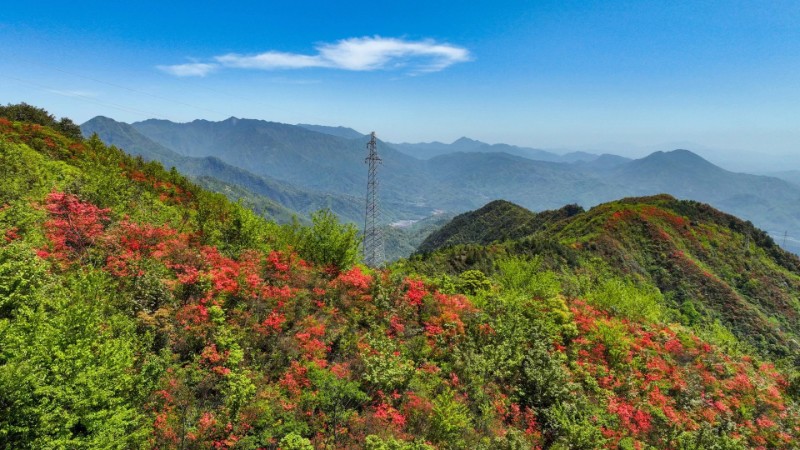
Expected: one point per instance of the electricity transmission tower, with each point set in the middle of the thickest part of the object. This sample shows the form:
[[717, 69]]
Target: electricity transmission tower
[[373, 235]]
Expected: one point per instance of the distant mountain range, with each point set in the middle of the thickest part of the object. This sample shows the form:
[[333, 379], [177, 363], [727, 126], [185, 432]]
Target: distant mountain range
[[428, 150], [347, 133], [305, 167], [279, 199]]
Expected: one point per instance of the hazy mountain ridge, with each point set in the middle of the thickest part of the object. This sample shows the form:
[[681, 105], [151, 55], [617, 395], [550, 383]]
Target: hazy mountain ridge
[[456, 182], [428, 150], [302, 201], [792, 176], [300, 156], [344, 132], [481, 177]]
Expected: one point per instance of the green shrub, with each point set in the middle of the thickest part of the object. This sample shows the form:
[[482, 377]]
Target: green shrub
[[626, 299], [294, 441], [326, 242], [374, 442], [517, 274], [450, 421]]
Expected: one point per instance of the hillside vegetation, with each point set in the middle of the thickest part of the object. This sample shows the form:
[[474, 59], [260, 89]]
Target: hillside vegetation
[[496, 221], [707, 266], [138, 310]]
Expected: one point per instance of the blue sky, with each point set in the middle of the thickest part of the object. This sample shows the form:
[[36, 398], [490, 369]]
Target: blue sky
[[627, 77]]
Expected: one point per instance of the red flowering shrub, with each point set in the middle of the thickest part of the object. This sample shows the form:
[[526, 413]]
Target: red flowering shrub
[[73, 227]]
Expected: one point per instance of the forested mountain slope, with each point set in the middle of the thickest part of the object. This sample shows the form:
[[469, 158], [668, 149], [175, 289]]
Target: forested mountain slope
[[138, 310], [707, 266], [302, 157], [214, 173], [496, 221], [767, 201]]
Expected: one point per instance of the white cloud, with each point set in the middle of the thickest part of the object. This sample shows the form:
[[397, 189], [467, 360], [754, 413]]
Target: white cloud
[[75, 93], [386, 53], [270, 60], [189, 69], [355, 54]]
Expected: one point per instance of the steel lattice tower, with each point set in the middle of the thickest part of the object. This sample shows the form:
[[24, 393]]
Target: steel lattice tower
[[373, 235]]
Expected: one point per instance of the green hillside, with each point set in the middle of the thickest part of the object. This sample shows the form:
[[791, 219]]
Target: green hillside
[[497, 221], [138, 310], [708, 268]]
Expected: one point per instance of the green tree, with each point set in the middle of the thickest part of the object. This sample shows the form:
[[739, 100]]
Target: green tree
[[374, 442], [337, 397], [450, 421], [294, 441], [326, 242], [473, 282], [23, 112]]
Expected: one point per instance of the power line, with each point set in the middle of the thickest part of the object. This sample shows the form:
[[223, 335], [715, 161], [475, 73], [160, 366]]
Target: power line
[[147, 114], [129, 89]]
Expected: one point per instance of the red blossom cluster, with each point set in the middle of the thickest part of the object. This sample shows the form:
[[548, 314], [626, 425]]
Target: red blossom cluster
[[73, 227], [662, 369]]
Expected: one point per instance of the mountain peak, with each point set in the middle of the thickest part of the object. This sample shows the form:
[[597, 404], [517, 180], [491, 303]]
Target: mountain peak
[[496, 221], [466, 144], [338, 131], [465, 140], [679, 154], [675, 160]]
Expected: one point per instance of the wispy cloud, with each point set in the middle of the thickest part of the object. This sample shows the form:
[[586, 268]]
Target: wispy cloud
[[380, 53], [74, 93], [190, 69], [355, 54], [270, 60]]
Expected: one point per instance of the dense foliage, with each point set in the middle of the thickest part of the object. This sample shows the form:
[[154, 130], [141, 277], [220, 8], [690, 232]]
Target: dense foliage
[[140, 311], [496, 221], [710, 270], [26, 113]]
